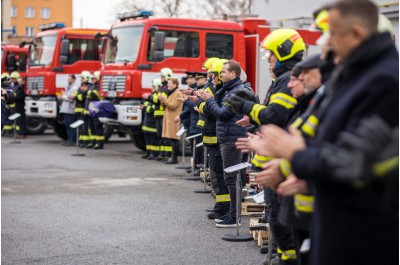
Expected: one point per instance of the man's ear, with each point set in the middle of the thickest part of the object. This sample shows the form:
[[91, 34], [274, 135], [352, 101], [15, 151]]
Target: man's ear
[[359, 32]]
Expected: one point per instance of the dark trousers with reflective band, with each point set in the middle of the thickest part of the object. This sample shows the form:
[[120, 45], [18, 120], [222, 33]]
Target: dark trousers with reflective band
[[9, 125], [151, 143], [21, 128], [230, 157], [84, 137], [96, 131], [218, 184], [282, 234], [199, 158], [165, 150]]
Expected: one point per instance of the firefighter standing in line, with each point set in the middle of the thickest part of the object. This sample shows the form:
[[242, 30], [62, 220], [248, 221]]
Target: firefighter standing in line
[[80, 99], [149, 125], [222, 198], [8, 129], [96, 130], [8, 125], [20, 108], [285, 48]]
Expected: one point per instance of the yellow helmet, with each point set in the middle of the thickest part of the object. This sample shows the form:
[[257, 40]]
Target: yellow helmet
[[166, 72], [156, 83], [5, 76], [209, 62], [217, 67], [15, 75], [284, 43], [86, 75], [321, 20], [96, 75]]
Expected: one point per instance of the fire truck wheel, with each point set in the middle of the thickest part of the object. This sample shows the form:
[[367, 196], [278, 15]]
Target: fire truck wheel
[[60, 130], [35, 125], [137, 139]]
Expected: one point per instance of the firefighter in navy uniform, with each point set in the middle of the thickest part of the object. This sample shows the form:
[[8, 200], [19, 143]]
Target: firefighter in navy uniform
[[80, 100], [209, 134], [285, 48], [96, 130], [159, 111], [8, 125], [149, 125]]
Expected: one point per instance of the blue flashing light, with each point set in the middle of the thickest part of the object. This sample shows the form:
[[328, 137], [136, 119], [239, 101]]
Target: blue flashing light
[[54, 25], [134, 14]]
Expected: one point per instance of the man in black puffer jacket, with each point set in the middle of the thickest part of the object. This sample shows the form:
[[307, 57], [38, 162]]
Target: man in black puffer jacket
[[227, 130]]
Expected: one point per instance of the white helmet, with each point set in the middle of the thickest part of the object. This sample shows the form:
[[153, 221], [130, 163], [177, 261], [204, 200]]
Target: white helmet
[[96, 75], [166, 72], [86, 75], [156, 83]]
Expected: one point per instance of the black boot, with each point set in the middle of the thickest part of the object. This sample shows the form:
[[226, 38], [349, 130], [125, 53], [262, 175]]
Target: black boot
[[146, 156], [172, 160]]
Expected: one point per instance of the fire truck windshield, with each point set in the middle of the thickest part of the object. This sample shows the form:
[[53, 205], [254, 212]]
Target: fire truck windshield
[[123, 44], [42, 50]]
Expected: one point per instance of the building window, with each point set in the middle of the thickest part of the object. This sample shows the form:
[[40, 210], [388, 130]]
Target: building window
[[45, 13], [29, 32], [13, 11], [29, 12]]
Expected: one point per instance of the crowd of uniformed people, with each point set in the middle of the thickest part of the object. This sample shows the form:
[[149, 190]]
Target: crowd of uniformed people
[[323, 142]]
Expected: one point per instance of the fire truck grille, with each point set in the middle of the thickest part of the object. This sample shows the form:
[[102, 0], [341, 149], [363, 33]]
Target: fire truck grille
[[35, 83], [116, 83]]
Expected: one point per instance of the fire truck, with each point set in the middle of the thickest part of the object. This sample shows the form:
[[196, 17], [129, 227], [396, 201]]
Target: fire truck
[[138, 47], [55, 53], [13, 58]]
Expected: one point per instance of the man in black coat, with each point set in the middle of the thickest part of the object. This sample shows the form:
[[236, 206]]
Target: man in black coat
[[350, 225]]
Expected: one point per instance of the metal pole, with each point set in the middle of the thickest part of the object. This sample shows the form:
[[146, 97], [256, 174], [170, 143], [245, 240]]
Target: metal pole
[[205, 167], [15, 133], [238, 202], [194, 157]]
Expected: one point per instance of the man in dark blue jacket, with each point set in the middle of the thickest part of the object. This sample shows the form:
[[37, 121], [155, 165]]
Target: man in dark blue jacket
[[227, 130], [364, 84]]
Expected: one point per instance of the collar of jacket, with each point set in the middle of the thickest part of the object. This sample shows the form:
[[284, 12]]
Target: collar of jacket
[[288, 64], [200, 87], [232, 84], [169, 92], [304, 100]]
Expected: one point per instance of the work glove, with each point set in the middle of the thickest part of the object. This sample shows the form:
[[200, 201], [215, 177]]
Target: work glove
[[234, 103]]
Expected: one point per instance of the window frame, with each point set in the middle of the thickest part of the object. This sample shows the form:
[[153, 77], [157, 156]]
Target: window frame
[[232, 35], [43, 13], [13, 11], [27, 31], [29, 14]]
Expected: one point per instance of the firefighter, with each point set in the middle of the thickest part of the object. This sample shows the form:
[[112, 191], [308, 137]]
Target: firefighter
[[190, 117], [8, 125], [284, 49], [20, 108], [149, 128], [80, 99], [209, 134], [96, 130], [8, 130]]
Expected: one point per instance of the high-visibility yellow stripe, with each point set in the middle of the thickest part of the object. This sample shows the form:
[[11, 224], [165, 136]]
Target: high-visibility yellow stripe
[[93, 137], [200, 123], [285, 97], [146, 103], [149, 129], [148, 109], [210, 139], [155, 98], [79, 109], [285, 167], [12, 105], [304, 203], [79, 97], [201, 107], [255, 112], [7, 127], [282, 102], [156, 148], [297, 122], [209, 90], [168, 148], [148, 147], [222, 198], [100, 138], [310, 126], [259, 160], [382, 168], [84, 137], [289, 254], [162, 148], [159, 112], [85, 112]]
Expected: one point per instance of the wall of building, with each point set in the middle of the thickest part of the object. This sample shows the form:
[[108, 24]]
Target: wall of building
[[60, 11]]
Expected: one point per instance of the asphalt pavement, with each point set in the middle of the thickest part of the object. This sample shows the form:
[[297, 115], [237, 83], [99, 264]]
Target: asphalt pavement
[[108, 207]]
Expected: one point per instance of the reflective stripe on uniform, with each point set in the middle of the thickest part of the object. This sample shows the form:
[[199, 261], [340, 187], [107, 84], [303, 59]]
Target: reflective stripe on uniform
[[255, 112], [155, 98], [285, 167], [200, 123], [284, 100], [201, 107], [297, 122], [79, 109], [304, 203], [84, 137], [289, 254], [162, 148], [100, 138], [259, 160], [79, 97], [210, 139], [310, 126], [8, 127], [148, 109], [159, 112], [85, 112], [168, 148], [208, 89], [149, 129], [222, 198], [382, 168]]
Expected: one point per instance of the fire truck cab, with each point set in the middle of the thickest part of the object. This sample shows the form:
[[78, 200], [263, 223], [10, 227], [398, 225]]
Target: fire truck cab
[[138, 47], [55, 53]]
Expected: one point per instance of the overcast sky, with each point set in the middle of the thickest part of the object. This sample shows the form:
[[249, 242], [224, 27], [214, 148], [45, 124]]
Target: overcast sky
[[93, 13]]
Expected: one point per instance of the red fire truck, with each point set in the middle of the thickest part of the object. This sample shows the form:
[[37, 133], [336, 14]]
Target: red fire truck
[[138, 47], [13, 58], [54, 53]]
